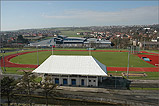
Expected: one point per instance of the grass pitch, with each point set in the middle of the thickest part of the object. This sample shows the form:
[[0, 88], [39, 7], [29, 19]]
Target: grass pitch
[[110, 59]]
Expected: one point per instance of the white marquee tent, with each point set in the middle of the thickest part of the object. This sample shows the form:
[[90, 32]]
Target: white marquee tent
[[72, 65]]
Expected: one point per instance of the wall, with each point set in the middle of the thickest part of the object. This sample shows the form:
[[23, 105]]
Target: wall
[[90, 81]]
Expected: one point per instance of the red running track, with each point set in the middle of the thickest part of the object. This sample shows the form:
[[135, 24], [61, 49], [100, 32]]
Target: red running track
[[141, 69], [154, 57]]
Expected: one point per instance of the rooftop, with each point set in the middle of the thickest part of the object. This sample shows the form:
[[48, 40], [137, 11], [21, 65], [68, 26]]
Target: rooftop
[[72, 65]]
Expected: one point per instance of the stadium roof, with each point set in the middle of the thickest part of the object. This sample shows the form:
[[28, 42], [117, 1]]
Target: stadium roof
[[72, 65], [47, 42]]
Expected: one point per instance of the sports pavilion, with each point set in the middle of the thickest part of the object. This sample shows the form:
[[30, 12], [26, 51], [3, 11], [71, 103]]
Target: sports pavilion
[[73, 70]]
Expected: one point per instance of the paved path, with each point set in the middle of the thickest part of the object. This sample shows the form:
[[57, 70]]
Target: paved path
[[141, 69]]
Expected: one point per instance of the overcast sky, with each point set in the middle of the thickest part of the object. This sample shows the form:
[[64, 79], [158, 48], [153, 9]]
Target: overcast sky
[[39, 14]]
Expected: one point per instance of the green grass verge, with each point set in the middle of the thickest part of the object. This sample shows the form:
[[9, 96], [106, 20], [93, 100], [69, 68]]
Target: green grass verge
[[135, 88], [14, 70], [110, 59], [146, 54], [153, 51]]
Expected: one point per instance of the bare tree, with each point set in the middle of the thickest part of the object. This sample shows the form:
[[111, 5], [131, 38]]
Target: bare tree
[[27, 85], [48, 88]]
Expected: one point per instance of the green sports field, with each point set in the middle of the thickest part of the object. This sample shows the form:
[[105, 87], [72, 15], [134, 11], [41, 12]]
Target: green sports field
[[110, 59]]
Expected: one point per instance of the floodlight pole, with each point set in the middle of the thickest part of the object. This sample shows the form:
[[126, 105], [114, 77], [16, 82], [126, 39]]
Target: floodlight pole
[[52, 50], [144, 43], [63, 42], [89, 52], [128, 63], [0, 68], [89, 49], [4, 61], [37, 56]]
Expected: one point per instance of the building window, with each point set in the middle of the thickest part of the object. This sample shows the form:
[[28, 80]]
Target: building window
[[94, 80], [73, 81], [82, 82], [56, 80], [89, 80], [65, 81]]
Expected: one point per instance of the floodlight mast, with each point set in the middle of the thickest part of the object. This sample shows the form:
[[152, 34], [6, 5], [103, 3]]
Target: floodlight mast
[[128, 62], [89, 49], [2, 51], [3, 54], [52, 50], [37, 55]]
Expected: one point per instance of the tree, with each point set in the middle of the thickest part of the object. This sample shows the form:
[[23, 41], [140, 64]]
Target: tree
[[20, 39], [48, 88], [27, 85], [125, 43], [7, 86], [116, 42], [92, 44]]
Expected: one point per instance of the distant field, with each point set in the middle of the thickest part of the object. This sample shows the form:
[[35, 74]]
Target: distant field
[[73, 33], [110, 59]]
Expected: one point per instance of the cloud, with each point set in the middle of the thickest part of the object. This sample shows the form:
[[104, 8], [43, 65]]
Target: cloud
[[143, 15]]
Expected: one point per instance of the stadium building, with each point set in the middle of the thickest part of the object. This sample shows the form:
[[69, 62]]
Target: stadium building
[[73, 70], [64, 41]]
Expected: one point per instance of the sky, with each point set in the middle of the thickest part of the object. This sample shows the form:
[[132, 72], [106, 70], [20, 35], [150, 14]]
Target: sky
[[17, 15]]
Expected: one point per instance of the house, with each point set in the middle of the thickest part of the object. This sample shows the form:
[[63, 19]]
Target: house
[[73, 70], [149, 45]]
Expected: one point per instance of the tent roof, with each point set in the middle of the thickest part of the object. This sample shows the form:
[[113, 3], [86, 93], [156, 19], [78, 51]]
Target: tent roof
[[72, 65]]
